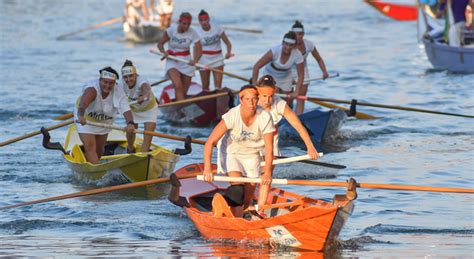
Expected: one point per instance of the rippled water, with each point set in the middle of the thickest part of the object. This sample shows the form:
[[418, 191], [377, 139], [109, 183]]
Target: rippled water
[[379, 61]]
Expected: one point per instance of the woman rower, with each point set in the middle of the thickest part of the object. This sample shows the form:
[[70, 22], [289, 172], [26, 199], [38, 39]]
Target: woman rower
[[241, 133], [180, 39], [142, 101], [278, 62], [211, 36], [279, 109], [306, 46], [100, 101]]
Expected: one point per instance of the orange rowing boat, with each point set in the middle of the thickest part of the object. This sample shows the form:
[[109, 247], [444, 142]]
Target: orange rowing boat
[[292, 220]]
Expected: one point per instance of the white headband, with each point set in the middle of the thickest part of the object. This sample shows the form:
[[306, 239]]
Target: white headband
[[289, 41], [128, 70], [297, 29], [108, 75]]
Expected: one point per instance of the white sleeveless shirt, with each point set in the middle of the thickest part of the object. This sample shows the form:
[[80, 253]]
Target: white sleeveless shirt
[[211, 39], [243, 139], [181, 41], [136, 92], [104, 110]]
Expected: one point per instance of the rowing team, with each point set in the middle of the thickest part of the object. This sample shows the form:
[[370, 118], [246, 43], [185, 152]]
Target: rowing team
[[286, 62], [243, 133]]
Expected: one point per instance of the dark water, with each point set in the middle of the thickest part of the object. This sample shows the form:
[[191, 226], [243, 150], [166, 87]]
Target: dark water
[[379, 61]]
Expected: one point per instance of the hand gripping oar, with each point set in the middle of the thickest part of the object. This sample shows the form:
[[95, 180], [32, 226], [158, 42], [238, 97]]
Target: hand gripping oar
[[393, 107], [97, 191], [201, 66], [34, 133], [344, 184], [96, 26]]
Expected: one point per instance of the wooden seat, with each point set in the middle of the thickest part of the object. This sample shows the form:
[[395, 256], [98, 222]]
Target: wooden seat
[[220, 208], [293, 204]]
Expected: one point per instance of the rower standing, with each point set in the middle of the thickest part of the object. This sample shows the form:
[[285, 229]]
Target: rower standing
[[279, 109], [211, 36], [101, 100], [142, 101], [241, 133], [136, 11], [164, 10], [306, 47], [180, 38], [278, 62]]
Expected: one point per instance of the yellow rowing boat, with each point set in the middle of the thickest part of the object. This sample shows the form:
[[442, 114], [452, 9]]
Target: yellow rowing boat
[[158, 162]]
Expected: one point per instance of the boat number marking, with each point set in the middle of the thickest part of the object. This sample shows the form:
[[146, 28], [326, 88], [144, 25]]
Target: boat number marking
[[281, 235]]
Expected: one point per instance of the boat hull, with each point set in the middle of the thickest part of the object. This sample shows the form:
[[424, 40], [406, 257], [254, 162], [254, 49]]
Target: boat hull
[[312, 225], [148, 33], [319, 124], [201, 113], [453, 59], [135, 167]]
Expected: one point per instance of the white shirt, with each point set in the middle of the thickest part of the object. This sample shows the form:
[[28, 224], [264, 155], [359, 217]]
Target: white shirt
[[136, 92], [240, 139], [295, 58], [181, 41], [105, 110], [211, 39], [277, 109]]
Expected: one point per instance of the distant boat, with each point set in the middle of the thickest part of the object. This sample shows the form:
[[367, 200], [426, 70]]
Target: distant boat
[[445, 57], [144, 32], [441, 55], [398, 12]]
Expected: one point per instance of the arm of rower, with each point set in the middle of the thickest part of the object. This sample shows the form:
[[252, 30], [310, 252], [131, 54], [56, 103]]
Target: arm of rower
[[212, 140], [127, 14], [295, 122], [146, 15], [265, 59], [228, 45], [197, 51], [320, 61], [87, 98], [268, 140], [146, 89], [161, 43], [300, 72]]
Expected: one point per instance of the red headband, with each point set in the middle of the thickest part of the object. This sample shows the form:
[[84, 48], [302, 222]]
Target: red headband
[[185, 19], [204, 17]]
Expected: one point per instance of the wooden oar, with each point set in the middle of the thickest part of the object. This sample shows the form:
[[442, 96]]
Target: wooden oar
[[306, 81], [144, 132], [34, 133], [201, 66], [358, 115], [318, 163], [193, 99], [393, 107], [230, 28], [97, 191], [96, 26], [344, 184]]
